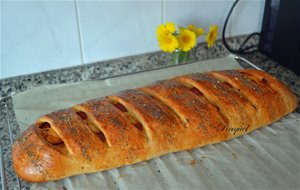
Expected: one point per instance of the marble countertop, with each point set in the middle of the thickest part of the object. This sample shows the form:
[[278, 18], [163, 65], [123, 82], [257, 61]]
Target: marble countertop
[[9, 129]]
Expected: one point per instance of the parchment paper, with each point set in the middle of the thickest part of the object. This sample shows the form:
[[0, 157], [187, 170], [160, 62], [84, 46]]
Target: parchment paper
[[267, 158]]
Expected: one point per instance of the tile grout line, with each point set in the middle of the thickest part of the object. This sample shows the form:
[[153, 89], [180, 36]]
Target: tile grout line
[[79, 33]]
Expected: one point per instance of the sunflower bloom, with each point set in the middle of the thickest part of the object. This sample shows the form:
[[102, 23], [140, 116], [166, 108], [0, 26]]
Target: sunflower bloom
[[163, 30], [212, 35], [197, 31], [186, 40], [168, 43]]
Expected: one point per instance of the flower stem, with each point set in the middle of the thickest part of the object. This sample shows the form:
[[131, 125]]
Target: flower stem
[[174, 57], [185, 56]]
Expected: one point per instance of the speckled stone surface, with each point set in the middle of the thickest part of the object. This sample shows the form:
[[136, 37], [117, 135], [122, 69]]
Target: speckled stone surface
[[9, 129]]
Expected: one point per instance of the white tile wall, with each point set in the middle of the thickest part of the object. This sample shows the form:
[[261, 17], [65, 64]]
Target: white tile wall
[[38, 36], [245, 20], [41, 35], [247, 17], [118, 28], [199, 12]]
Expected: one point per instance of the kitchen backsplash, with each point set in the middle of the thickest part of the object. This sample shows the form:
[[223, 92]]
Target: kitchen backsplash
[[43, 35]]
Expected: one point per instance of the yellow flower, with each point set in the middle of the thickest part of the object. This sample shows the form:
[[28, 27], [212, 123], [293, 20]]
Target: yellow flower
[[186, 40], [168, 43], [212, 35], [163, 30], [171, 27], [197, 31]]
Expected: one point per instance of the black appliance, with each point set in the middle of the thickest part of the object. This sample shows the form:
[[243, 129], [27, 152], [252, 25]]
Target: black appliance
[[280, 38]]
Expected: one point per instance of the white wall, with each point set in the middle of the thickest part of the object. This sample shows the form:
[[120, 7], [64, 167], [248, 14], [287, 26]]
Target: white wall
[[42, 35]]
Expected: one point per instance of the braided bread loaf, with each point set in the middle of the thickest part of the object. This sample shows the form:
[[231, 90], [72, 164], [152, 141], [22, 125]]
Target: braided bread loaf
[[134, 125]]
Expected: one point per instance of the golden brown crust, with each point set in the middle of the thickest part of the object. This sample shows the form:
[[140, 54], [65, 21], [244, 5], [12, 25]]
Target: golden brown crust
[[230, 103], [36, 160], [162, 127], [203, 120], [134, 125]]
